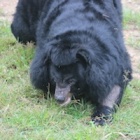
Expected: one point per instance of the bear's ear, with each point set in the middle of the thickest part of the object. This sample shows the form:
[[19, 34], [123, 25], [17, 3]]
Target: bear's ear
[[83, 57]]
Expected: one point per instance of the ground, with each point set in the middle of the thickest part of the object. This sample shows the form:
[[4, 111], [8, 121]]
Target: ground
[[133, 33], [7, 10]]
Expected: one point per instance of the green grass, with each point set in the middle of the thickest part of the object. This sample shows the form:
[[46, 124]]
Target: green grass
[[1, 12], [131, 17], [133, 42], [26, 115], [131, 24]]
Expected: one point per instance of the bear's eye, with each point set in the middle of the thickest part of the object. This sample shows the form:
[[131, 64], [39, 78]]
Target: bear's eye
[[71, 81], [58, 67]]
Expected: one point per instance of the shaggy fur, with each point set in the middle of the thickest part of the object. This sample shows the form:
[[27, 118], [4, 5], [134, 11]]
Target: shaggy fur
[[80, 50]]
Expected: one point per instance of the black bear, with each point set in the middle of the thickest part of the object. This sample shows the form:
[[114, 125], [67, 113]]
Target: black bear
[[80, 50]]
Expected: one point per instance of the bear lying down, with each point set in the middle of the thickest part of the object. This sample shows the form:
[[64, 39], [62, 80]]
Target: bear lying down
[[80, 50]]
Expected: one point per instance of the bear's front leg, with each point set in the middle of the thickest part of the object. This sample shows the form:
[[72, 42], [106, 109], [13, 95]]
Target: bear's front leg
[[102, 115], [104, 111]]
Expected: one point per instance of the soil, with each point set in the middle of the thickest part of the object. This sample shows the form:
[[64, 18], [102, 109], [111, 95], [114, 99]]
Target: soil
[[7, 10]]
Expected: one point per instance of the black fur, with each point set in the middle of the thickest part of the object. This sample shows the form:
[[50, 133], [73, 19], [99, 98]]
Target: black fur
[[79, 43]]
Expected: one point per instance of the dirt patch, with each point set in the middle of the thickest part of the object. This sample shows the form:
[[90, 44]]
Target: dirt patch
[[134, 34], [7, 9], [132, 4], [135, 58]]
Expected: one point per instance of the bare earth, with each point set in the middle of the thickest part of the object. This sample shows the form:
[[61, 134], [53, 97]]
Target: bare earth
[[7, 9]]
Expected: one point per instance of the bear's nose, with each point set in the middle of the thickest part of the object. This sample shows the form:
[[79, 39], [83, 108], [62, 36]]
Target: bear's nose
[[60, 99]]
